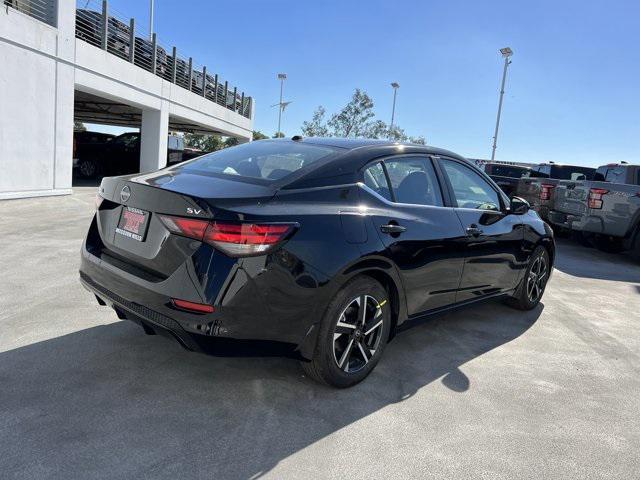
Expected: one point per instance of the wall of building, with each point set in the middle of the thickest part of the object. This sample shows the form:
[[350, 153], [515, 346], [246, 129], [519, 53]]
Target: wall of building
[[40, 68], [36, 107]]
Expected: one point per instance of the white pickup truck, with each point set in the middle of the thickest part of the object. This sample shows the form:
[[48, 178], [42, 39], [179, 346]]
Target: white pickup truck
[[605, 210]]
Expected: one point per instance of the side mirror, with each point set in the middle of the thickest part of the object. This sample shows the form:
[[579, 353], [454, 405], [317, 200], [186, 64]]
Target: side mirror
[[519, 206]]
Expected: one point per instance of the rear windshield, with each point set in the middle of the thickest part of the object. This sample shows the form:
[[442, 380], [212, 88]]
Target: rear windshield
[[507, 171], [263, 160], [569, 172]]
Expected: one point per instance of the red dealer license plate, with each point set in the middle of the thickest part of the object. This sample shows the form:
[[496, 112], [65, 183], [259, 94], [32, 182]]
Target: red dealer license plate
[[133, 223]]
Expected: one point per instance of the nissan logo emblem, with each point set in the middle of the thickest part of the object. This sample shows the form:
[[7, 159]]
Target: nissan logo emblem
[[125, 193]]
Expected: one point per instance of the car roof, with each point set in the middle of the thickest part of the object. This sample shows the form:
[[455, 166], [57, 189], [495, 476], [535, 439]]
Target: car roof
[[353, 143], [355, 154]]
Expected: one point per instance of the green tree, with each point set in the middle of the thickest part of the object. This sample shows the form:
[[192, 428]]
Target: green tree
[[355, 120], [230, 142], [317, 126], [397, 133], [278, 135], [258, 135], [206, 143]]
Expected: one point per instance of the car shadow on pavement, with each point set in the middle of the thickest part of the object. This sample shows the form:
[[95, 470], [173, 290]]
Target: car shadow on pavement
[[585, 262], [109, 401]]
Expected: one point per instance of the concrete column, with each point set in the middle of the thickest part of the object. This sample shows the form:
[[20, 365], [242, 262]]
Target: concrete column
[[153, 142], [65, 19]]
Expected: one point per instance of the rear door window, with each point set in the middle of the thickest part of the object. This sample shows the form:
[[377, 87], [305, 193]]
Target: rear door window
[[376, 180], [413, 180]]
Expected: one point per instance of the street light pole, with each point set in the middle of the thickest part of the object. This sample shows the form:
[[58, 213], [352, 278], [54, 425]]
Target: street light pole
[[395, 86], [151, 18], [282, 77], [506, 53]]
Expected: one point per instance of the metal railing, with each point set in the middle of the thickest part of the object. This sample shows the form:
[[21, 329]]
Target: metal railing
[[42, 10], [98, 25]]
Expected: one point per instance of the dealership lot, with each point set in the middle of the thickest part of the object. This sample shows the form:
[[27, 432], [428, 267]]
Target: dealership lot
[[488, 392]]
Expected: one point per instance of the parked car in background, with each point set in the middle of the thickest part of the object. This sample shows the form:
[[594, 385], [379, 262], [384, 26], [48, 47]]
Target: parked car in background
[[538, 184], [121, 155], [143, 57], [606, 210], [506, 176], [89, 29], [312, 248], [83, 143], [196, 84]]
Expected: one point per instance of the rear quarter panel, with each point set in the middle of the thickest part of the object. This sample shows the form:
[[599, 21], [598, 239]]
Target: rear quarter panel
[[620, 209]]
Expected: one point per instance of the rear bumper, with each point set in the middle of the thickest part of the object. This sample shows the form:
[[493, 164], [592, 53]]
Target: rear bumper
[[138, 313], [242, 324], [579, 223], [156, 323]]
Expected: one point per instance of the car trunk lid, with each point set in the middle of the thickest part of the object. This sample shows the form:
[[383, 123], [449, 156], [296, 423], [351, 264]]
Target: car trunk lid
[[129, 219]]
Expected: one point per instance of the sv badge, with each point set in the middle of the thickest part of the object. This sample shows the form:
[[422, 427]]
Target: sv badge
[[194, 211]]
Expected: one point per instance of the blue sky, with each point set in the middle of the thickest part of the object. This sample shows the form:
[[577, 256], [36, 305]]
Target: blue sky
[[572, 95]]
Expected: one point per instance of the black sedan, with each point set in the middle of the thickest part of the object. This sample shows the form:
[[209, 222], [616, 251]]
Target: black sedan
[[314, 248]]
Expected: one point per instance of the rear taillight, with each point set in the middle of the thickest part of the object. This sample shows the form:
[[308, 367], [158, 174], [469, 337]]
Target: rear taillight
[[187, 227], [546, 190], [242, 239], [234, 239], [595, 197]]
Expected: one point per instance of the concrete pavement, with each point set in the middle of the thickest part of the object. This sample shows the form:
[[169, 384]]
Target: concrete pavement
[[483, 393]]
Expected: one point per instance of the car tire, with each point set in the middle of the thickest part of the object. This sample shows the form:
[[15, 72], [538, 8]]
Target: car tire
[[348, 349], [582, 238], [608, 244], [635, 247], [88, 168], [535, 279]]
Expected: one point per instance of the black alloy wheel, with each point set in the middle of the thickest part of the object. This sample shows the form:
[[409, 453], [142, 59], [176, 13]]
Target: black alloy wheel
[[353, 334], [358, 333], [528, 295]]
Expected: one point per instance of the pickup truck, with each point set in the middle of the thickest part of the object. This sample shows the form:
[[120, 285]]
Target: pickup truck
[[606, 209], [538, 185], [506, 176]]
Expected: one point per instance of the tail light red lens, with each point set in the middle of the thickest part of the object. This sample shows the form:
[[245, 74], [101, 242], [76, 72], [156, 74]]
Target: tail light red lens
[[234, 239], [546, 190], [243, 239], [595, 197], [187, 227]]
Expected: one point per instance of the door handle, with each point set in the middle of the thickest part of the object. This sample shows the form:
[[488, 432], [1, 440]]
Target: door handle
[[391, 228], [474, 231]]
